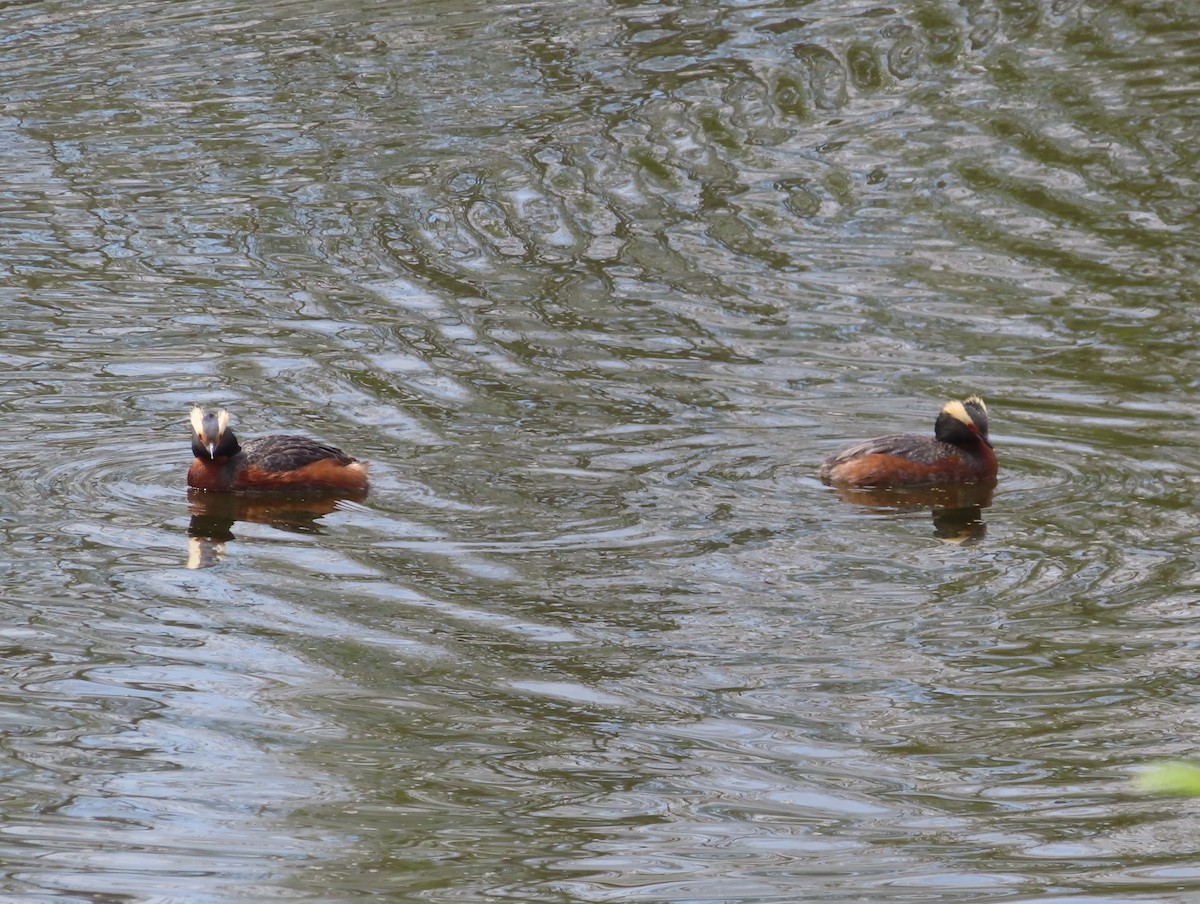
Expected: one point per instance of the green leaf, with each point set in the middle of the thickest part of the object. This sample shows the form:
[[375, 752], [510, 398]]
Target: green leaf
[[1176, 777]]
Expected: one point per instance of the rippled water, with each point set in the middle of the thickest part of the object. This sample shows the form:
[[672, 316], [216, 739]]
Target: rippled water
[[595, 287]]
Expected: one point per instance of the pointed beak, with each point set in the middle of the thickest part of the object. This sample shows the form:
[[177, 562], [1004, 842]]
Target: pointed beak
[[212, 449], [983, 436]]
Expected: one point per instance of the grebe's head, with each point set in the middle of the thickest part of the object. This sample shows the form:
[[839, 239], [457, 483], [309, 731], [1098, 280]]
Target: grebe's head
[[963, 423], [211, 436]]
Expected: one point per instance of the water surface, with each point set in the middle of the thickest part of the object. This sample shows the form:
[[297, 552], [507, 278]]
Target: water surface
[[595, 287]]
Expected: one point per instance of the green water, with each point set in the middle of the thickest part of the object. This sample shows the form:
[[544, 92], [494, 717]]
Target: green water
[[595, 287]]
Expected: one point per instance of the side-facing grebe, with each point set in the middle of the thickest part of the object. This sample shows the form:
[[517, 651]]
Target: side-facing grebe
[[958, 452]]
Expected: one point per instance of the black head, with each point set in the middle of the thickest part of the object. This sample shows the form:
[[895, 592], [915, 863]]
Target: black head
[[211, 436], [963, 423]]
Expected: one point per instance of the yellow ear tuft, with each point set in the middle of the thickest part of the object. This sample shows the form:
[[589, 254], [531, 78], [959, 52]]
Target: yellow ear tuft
[[955, 409], [200, 417]]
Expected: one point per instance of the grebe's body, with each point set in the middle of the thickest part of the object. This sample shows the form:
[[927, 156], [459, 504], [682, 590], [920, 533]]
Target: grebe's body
[[277, 463], [958, 452]]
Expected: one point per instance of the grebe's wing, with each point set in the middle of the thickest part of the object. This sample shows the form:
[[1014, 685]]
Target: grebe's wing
[[893, 444], [281, 452]]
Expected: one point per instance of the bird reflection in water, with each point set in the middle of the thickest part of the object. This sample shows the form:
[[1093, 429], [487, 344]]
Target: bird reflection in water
[[213, 516], [957, 509]]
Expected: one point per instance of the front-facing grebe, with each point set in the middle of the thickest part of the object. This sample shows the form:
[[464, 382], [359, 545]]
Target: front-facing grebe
[[958, 452], [278, 463]]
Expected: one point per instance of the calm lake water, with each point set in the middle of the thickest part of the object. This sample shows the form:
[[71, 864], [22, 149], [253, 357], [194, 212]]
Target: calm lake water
[[595, 287]]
